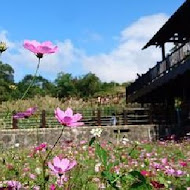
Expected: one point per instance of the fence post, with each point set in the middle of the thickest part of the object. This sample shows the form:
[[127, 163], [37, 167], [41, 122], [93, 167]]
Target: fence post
[[43, 119], [14, 123], [99, 117], [125, 116]]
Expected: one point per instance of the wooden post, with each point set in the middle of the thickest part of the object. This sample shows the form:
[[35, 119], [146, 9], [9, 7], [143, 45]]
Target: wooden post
[[99, 117], [43, 119], [14, 123], [150, 114], [125, 116]]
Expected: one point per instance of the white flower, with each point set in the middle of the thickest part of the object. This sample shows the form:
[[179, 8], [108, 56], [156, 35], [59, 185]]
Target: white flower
[[96, 132], [85, 147], [125, 141], [38, 171], [97, 167], [137, 142], [1, 184], [17, 145], [142, 165]]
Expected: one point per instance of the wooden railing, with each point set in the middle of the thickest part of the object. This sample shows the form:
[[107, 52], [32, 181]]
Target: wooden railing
[[173, 60], [98, 117]]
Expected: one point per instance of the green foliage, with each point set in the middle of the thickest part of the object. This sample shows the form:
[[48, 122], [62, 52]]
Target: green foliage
[[65, 86], [92, 140], [88, 85], [102, 154], [6, 72], [139, 181], [40, 87], [6, 80]]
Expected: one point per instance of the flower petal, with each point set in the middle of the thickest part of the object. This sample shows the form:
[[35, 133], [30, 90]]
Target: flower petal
[[77, 117], [69, 112]]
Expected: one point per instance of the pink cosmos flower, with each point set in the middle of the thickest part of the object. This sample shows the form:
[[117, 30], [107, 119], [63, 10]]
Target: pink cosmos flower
[[41, 147], [180, 173], [60, 166], [176, 173], [67, 118], [32, 176], [40, 48], [146, 173], [36, 187], [164, 161], [25, 114], [83, 142], [52, 187], [15, 185], [184, 164]]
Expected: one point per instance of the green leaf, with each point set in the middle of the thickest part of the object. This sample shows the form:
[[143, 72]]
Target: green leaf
[[108, 176], [102, 154], [109, 166], [138, 176], [92, 141], [139, 181]]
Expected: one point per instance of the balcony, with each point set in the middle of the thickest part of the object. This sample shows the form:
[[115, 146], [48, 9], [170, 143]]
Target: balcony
[[177, 63]]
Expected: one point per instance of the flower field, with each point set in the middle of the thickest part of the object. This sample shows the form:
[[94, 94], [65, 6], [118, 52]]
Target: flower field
[[97, 165]]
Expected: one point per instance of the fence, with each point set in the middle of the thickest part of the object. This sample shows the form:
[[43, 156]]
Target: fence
[[94, 117]]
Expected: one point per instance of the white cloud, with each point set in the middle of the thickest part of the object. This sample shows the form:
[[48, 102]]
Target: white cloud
[[144, 28], [3, 37], [121, 64], [125, 61], [91, 37]]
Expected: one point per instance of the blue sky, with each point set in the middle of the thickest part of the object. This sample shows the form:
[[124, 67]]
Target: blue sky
[[99, 36]]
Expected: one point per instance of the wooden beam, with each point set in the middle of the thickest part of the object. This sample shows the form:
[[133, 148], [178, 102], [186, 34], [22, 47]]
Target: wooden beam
[[163, 51]]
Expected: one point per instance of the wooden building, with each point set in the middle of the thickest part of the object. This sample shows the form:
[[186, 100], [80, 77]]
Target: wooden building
[[167, 84]]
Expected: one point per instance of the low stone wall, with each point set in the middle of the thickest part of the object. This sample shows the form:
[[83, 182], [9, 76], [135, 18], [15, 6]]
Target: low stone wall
[[31, 137]]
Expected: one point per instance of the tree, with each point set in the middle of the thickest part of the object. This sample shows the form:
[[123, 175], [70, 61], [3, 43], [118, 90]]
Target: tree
[[65, 85], [6, 73], [41, 86], [6, 81], [88, 85]]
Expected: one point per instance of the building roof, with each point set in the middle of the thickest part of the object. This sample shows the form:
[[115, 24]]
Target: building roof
[[176, 29]]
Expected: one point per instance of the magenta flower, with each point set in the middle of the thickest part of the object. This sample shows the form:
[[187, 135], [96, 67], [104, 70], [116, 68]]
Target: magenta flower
[[60, 166], [67, 118], [146, 173], [40, 48], [15, 185], [184, 164], [52, 187], [25, 114], [41, 147]]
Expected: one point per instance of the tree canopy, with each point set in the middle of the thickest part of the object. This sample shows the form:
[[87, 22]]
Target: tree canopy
[[65, 85]]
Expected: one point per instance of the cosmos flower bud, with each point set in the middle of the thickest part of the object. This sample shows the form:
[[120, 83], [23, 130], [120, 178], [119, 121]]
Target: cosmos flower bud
[[3, 47]]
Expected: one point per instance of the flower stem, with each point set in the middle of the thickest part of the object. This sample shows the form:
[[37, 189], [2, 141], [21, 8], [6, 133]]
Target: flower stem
[[30, 85], [47, 156], [33, 80]]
